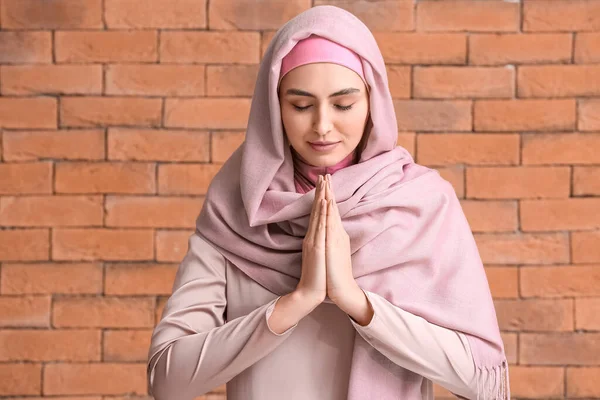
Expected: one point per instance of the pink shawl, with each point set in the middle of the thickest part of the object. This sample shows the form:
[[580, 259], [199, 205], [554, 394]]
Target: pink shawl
[[410, 240]]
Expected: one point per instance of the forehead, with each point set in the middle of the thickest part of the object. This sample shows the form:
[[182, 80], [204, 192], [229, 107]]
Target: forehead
[[322, 78]]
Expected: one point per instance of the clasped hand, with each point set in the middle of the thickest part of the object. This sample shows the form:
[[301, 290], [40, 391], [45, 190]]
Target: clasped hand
[[326, 261]]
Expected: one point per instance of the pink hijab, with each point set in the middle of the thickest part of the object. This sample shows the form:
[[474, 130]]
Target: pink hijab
[[410, 240]]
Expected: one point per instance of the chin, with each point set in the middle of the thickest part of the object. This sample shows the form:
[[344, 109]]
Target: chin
[[325, 160]]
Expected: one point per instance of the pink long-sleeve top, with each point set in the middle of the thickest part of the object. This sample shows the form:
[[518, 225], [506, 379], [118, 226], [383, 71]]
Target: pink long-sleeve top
[[214, 330]]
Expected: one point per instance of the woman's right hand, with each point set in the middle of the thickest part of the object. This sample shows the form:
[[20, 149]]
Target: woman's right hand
[[313, 282]]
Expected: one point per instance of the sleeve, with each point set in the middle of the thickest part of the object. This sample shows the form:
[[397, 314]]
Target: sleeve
[[439, 354], [192, 349]]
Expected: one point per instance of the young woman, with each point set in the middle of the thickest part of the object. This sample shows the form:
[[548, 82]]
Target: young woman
[[326, 263]]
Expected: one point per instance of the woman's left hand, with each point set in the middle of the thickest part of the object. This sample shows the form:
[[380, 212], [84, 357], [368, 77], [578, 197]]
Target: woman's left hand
[[340, 281]]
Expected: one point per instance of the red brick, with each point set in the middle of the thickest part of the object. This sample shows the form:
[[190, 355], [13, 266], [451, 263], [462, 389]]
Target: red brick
[[49, 345], [96, 378], [126, 345], [585, 247], [587, 314], [223, 144], [587, 47], [518, 182], [549, 248], [171, 245], [24, 113], [400, 81], [589, 115], [178, 179], [583, 382], [586, 181], [26, 178], [463, 82], [51, 211], [559, 81], [510, 347], [20, 379], [525, 115], [501, 49], [158, 145], [253, 15], [75, 398], [100, 111], [129, 397], [24, 245], [561, 15], [388, 15], [433, 115], [155, 80], [210, 47], [29, 311], [51, 278], [51, 79], [568, 148], [106, 46], [422, 48], [173, 14], [535, 315], [468, 148], [62, 144], [559, 348], [567, 281], [51, 14], [102, 244], [408, 140], [231, 80], [560, 214], [491, 216], [213, 113], [152, 212], [103, 312], [26, 47], [456, 176], [107, 177], [139, 279], [160, 306], [463, 15], [503, 281], [536, 382]]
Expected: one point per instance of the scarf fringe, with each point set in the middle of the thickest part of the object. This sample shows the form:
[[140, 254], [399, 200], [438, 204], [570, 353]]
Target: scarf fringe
[[493, 382]]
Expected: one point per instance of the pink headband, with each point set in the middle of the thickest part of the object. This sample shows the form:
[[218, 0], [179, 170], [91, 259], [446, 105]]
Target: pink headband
[[315, 49]]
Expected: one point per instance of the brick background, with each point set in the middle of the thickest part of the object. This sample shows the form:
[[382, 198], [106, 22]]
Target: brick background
[[113, 122]]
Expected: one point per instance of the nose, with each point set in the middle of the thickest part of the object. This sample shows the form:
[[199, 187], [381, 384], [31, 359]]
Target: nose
[[323, 123]]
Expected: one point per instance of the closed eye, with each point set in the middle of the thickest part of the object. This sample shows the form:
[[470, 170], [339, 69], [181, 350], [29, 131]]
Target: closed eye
[[300, 108], [339, 107]]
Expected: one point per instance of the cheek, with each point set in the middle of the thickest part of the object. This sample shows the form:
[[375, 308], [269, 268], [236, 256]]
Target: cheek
[[293, 124], [353, 124]]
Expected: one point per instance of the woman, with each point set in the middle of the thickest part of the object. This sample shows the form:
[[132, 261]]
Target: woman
[[344, 271]]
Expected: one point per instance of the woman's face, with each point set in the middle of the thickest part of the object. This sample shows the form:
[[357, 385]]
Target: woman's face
[[323, 102]]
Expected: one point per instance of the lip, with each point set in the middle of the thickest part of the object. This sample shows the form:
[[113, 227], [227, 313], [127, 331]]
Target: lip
[[323, 147]]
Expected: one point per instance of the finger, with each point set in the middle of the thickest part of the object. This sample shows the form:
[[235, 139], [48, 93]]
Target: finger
[[336, 219], [320, 234], [329, 184], [330, 219], [314, 214]]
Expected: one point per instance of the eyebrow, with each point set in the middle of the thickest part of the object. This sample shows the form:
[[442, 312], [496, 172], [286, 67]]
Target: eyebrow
[[342, 92]]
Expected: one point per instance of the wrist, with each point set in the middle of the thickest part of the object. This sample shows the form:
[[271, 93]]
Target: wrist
[[357, 305], [306, 300]]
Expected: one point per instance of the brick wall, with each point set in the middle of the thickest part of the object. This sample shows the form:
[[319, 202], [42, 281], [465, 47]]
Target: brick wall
[[116, 114]]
